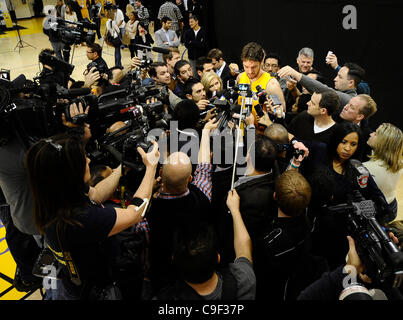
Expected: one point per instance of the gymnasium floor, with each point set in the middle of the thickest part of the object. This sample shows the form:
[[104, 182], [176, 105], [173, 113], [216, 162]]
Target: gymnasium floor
[[25, 61]]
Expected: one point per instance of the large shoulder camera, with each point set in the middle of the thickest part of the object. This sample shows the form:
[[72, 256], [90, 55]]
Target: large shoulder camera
[[82, 31], [381, 257]]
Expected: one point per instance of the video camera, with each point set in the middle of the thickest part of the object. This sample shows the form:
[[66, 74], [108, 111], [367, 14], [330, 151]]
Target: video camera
[[58, 65], [76, 35], [131, 105], [382, 259]]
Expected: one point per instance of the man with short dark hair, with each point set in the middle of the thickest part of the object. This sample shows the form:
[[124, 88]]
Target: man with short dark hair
[[345, 83], [203, 66], [195, 40], [183, 71], [194, 90], [196, 258], [165, 37], [94, 53], [170, 60], [272, 63], [159, 72], [256, 188], [221, 67], [316, 124]]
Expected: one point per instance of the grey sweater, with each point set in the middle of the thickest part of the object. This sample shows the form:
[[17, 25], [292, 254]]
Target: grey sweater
[[313, 85]]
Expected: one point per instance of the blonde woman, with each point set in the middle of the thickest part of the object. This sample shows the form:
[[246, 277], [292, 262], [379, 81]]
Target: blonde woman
[[212, 83], [129, 9], [386, 164]]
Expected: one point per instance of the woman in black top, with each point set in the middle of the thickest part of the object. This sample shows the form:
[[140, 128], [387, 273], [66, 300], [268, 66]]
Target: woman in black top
[[74, 226], [334, 183], [142, 36]]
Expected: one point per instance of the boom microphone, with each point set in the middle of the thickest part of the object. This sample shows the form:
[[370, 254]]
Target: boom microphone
[[78, 92], [155, 49]]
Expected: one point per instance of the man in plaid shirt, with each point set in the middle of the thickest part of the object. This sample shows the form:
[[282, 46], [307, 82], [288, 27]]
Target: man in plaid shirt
[[142, 13], [171, 10]]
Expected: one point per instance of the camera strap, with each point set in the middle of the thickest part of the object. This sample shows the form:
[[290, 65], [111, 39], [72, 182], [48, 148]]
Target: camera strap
[[71, 267]]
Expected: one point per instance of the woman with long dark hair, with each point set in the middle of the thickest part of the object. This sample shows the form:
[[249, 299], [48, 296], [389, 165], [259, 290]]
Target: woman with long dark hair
[[336, 182], [75, 227]]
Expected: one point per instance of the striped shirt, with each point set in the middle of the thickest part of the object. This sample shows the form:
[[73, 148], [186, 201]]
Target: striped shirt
[[203, 181], [171, 10]]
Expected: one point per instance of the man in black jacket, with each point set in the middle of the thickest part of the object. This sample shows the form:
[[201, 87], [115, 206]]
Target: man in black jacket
[[256, 192], [195, 40], [221, 67], [284, 265]]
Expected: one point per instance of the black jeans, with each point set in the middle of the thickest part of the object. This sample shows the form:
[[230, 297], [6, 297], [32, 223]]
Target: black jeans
[[66, 52], [97, 21], [132, 48], [23, 247]]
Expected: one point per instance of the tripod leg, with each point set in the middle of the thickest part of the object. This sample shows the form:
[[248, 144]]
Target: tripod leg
[[72, 55]]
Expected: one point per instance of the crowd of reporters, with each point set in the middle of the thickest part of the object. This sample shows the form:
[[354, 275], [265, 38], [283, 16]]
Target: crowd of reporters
[[128, 216]]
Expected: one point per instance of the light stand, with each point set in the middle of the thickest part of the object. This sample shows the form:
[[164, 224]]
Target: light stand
[[20, 43]]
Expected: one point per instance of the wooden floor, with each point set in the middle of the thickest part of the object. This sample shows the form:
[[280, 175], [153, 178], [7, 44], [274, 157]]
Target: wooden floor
[[25, 61]]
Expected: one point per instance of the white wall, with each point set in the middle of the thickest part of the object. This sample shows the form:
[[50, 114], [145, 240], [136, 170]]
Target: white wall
[[22, 10]]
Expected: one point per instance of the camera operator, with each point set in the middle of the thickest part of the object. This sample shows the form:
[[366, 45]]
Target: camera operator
[[159, 72], [58, 172], [341, 174], [16, 210], [53, 35], [18, 220], [94, 53], [51, 75]]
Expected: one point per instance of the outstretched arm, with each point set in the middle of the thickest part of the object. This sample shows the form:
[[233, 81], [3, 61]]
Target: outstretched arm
[[242, 241]]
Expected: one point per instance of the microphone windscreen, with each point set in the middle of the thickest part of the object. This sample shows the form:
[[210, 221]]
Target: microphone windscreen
[[79, 92]]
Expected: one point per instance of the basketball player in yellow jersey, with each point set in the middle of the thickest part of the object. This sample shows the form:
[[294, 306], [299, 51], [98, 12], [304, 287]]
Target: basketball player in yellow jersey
[[252, 57]]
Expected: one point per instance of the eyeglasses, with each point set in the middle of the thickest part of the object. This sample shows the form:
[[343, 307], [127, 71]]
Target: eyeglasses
[[90, 51], [271, 65]]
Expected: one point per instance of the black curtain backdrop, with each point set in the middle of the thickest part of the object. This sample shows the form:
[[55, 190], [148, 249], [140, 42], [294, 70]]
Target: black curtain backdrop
[[286, 26]]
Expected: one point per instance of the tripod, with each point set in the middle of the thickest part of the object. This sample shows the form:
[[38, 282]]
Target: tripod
[[20, 43]]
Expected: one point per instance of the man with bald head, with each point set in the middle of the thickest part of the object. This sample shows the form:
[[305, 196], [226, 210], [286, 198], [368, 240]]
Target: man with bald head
[[180, 202]]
